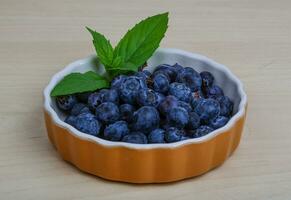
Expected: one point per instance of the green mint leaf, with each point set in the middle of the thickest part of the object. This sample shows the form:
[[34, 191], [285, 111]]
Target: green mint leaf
[[116, 62], [77, 82], [103, 47], [139, 43]]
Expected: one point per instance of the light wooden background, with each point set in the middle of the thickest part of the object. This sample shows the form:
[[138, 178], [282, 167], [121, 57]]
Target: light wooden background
[[252, 37]]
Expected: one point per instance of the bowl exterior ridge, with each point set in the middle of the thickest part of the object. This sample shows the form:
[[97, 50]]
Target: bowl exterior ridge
[[152, 163], [144, 165]]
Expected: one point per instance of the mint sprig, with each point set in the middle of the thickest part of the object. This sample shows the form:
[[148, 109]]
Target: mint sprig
[[131, 52], [139, 43], [77, 82], [103, 47]]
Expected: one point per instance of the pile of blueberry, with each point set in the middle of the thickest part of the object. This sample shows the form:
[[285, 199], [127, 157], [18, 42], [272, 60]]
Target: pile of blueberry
[[171, 104]]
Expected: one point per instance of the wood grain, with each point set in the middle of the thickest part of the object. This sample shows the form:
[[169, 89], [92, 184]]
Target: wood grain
[[251, 37]]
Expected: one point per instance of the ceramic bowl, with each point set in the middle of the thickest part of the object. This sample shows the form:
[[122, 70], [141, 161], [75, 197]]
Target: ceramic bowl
[[148, 163]]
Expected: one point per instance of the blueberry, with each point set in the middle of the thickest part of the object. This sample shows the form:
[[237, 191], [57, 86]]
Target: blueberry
[[79, 108], [190, 70], [143, 74], [87, 123], [147, 97], [226, 106], [94, 100], [180, 91], [70, 120], [196, 98], [185, 105], [136, 138], [110, 95], [163, 72], [178, 117], [201, 131], [107, 112], [214, 91], [147, 73], [194, 121], [146, 119], [67, 102], [157, 136], [218, 122], [118, 81], [173, 135], [168, 103], [198, 94], [207, 78], [126, 112], [130, 89], [166, 69], [190, 78], [207, 109], [116, 131], [161, 83], [160, 98], [194, 101], [83, 97], [178, 68]]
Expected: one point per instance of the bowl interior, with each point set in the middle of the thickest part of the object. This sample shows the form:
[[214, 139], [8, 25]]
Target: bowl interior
[[200, 63], [231, 86]]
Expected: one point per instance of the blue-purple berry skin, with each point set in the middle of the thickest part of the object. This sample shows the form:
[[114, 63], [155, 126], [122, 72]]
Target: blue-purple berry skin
[[194, 121], [185, 105], [157, 136], [107, 112], [207, 109], [147, 73], [148, 97], [226, 106], [195, 101], [110, 95], [79, 108], [166, 69], [146, 119], [70, 120], [168, 103], [141, 75], [126, 112], [178, 117], [94, 100], [180, 91], [160, 98], [213, 91], [218, 122], [207, 78], [178, 68], [87, 123], [130, 89], [161, 83], [135, 138], [67, 102], [196, 98], [190, 78], [118, 81], [173, 135], [201, 131], [116, 131]]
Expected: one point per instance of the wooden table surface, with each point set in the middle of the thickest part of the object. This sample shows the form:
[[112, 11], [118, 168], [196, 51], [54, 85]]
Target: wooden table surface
[[251, 37]]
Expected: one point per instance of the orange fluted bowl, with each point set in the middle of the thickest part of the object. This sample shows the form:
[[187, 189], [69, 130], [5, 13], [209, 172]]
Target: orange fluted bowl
[[148, 163]]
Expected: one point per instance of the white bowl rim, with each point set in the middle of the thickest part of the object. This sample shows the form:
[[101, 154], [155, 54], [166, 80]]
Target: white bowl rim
[[55, 118]]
